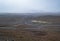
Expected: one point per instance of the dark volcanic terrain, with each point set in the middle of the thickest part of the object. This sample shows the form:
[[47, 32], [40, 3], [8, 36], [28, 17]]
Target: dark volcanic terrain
[[29, 28]]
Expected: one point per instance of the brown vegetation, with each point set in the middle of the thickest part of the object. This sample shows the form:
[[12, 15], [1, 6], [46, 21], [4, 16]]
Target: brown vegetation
[[26, 35]]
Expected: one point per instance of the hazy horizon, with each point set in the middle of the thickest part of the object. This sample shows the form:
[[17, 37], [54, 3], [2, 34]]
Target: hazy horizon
[[29, 6]]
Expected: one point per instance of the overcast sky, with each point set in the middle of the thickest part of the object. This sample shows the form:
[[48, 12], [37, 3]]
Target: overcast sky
[[25, 6]]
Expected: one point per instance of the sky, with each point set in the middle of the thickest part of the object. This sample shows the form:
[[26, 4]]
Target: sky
[[29, 6]]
